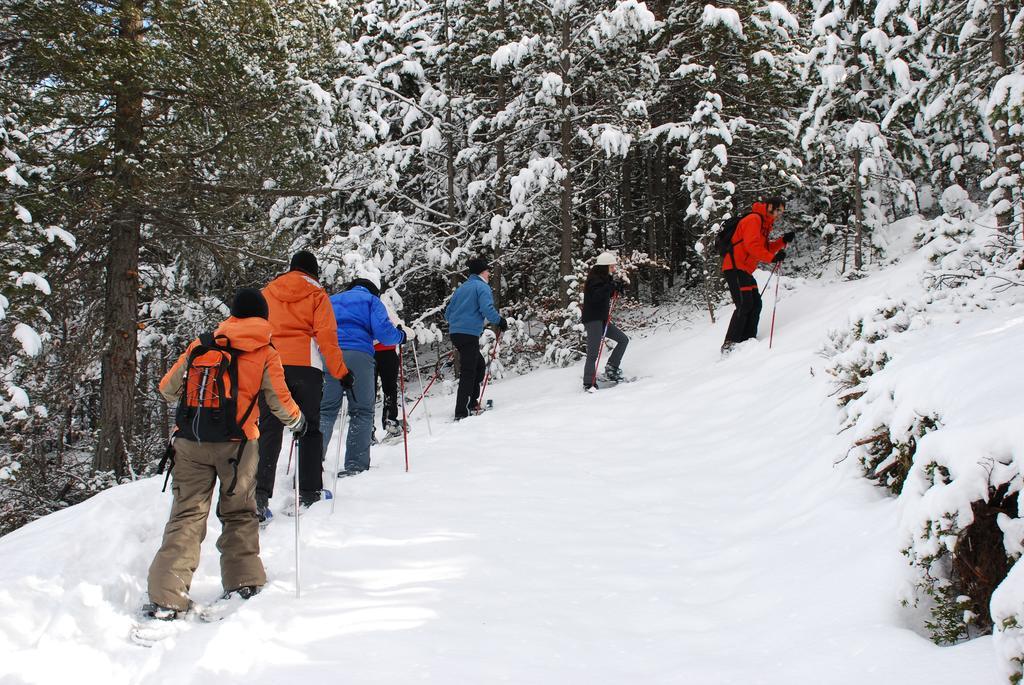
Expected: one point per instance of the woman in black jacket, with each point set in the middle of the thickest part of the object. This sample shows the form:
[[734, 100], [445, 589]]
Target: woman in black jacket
[[597, 296]]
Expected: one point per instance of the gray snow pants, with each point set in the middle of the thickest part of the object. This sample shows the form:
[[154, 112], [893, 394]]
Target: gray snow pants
[[360, 409], [197, 468], [594, 330]]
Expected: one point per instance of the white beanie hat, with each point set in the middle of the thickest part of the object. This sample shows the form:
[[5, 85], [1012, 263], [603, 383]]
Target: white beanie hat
[[371, 275], [606, 259]]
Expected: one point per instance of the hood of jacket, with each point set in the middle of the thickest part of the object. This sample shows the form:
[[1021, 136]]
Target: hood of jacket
[[248, 334], [761, 209], [292, 286]]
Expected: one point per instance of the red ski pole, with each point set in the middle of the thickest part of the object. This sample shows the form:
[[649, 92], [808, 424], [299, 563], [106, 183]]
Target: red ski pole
[[600, 346], [401, 389], [775, 306], [437, 374], [769, 281]]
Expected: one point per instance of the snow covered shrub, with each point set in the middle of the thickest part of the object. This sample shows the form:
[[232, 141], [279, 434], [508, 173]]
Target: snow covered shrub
[[973, 261], [859, 350], [957, 508], [1008, 620], [888, 454]]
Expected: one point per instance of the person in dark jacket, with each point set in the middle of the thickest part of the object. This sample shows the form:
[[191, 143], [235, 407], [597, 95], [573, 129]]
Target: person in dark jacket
[[361, 319], [470, 305], [597, 296], [750, 246]]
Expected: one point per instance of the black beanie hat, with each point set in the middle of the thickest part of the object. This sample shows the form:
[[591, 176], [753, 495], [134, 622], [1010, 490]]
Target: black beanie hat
[[305, 261], [249, 303], [478, 265]]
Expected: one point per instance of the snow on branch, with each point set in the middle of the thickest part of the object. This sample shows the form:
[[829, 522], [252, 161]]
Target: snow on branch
[[723, 16], [29, 339]]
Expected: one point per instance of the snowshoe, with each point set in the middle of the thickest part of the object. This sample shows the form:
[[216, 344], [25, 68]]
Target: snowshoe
[[157, 623], [159, 613], [227, 604], [393, 432], [306, 500], [613, 374], [349, 472], [393, 429]]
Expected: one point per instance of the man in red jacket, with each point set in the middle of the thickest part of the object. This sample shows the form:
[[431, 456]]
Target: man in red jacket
[[750, 246]]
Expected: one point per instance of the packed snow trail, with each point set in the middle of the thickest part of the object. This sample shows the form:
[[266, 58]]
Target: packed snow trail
[[687, 528]]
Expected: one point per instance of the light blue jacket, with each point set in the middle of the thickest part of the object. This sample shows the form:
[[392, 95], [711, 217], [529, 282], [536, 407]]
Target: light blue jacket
[[362, 318], [469, 306]]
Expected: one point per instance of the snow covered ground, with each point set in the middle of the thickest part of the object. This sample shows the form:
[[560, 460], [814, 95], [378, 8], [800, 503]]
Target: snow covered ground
[[688, 528]]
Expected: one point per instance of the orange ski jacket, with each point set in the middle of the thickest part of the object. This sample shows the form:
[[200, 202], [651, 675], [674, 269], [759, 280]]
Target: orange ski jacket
[[750, 241], [259, 370], [305, 332]]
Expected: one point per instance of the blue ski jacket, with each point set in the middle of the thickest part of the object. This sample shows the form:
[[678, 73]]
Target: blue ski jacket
[[469, 306], [362, 318]]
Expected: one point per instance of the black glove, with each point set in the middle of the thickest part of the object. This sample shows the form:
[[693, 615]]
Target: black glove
[[779, 256], [503, 324], [619, 287], [298, 426], [405, 336], [348, 380], [789, 237]]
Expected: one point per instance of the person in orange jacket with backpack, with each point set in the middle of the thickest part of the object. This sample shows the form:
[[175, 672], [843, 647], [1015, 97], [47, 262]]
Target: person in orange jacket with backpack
[[749, 246], [216, 382], [306, 335]]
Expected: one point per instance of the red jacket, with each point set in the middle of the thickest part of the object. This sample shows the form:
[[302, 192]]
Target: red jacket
[[750, 241], [305, 331]]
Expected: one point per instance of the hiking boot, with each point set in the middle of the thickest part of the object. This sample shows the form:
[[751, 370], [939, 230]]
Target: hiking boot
[[245, 592], [306, 500], [591, 388], [160, 613], [392, 429], [614, 374], [350, 471], [727, 347], [262, 507]]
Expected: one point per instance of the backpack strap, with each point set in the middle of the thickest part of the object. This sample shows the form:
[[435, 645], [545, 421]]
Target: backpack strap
[[168, 461], [241, 445]]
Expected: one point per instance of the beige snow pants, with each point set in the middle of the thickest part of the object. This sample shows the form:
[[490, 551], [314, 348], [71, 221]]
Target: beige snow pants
[[197, 467]]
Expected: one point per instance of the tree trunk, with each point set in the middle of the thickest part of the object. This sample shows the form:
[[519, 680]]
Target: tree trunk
[[997, 24], [449, 142], [121, 303], [500, 162], [858, 213], [565, 259], [626, 193]]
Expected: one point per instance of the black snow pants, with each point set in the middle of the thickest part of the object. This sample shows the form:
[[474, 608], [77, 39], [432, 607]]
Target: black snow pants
[[747, 299], [471, 373], [387, 373], [306, 384]]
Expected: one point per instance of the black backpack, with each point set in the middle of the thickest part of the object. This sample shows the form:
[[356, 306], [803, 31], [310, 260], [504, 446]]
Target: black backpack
[[724, 240], [208, 408]]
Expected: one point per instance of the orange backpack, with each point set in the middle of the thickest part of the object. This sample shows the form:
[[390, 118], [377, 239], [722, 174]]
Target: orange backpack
[[208, 409]]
